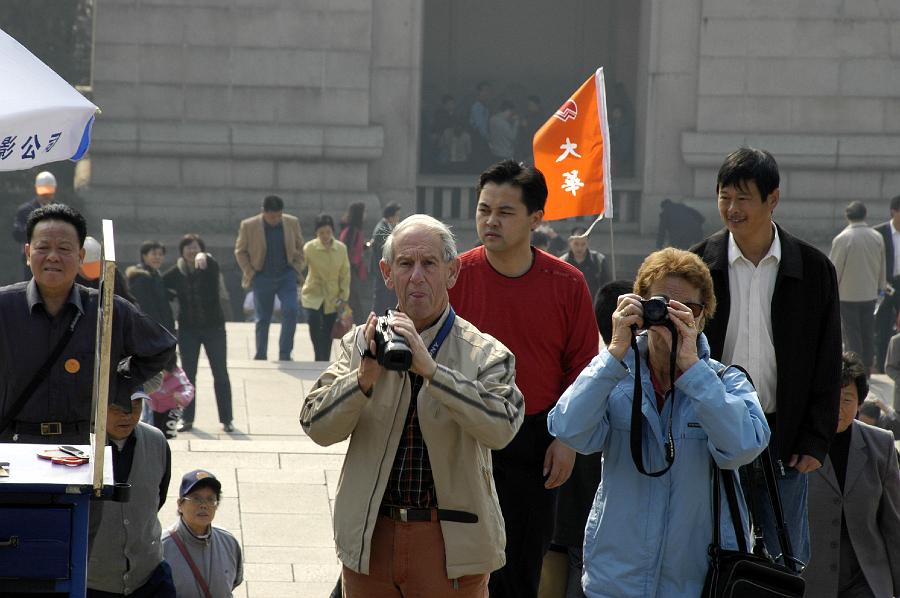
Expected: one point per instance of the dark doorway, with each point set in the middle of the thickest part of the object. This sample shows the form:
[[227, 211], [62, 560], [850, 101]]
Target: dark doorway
[[524, 51]]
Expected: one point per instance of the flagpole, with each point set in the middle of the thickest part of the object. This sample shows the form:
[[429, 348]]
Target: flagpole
[[612, 250]]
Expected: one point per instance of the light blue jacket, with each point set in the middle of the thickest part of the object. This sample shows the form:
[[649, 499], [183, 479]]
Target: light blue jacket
[[649, 537]]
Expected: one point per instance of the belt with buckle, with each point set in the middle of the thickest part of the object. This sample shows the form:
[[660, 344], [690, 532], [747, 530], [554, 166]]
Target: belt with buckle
[[405, 515], [48, 428]]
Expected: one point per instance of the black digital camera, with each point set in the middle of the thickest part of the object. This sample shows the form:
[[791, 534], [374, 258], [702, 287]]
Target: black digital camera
[[656, 311], [391, 349]]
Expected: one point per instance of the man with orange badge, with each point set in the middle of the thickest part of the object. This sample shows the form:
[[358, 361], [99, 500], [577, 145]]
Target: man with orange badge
[[47, 337]]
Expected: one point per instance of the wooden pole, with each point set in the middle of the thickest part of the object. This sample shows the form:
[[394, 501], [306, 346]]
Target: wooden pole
[[102, 349]]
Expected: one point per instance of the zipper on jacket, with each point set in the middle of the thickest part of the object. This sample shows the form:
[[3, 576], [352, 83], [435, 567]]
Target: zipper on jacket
[[378, 477]]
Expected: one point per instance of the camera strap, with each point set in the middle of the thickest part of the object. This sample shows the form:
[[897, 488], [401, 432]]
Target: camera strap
[[637, 425], [442, 333]]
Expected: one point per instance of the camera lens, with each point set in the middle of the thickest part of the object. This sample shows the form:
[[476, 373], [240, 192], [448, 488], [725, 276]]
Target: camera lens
[[655, 311]]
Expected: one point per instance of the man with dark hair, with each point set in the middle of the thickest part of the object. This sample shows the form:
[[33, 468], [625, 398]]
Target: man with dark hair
[[886, 317], [269, 251], [50, 402], [382, 297], [539, 307], [778, 317], [857, 253]]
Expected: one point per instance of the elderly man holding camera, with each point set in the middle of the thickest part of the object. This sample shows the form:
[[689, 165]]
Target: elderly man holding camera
[[424, 397]]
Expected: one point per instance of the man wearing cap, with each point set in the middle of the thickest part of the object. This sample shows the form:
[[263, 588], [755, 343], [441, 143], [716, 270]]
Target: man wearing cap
[[206, 560], [418, 468], [47, 338], [269, 250], [125, 555], [91, 268], [44, 193]]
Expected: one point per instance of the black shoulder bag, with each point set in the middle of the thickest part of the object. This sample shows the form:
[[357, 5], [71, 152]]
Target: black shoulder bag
[[39, 375], [740, 573]]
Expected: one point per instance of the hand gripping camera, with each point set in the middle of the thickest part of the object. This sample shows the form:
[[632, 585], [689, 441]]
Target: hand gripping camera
[[391, 349]]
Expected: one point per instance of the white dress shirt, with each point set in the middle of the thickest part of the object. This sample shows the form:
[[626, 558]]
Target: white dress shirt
[[748, 340], [895, 236]]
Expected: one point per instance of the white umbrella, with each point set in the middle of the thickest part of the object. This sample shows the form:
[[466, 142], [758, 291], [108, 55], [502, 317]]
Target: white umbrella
[[42, 118]]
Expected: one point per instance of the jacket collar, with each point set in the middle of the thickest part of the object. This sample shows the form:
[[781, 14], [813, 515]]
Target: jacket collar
[[856, 462], [185, 533], [33, 296], [791, 263]]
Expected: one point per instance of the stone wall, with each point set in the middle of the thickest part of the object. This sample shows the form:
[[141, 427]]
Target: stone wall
[[210, 105], [816, 82]]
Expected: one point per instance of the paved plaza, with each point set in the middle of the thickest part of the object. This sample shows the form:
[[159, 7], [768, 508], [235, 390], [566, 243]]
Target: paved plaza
[[278, 485]]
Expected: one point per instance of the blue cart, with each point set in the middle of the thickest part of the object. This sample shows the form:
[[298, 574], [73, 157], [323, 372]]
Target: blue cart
[[44, 521]]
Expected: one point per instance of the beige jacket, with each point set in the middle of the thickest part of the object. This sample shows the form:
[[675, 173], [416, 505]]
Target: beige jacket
[[328, 278], [471, 406], [250, 247]]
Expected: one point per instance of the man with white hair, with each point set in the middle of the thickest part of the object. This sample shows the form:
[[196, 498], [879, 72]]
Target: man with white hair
[[44, 193], [416, 486]]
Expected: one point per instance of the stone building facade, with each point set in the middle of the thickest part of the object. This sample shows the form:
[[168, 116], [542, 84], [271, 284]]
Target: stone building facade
[[208, 105]]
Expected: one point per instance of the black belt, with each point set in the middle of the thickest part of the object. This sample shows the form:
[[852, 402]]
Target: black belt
[[418, 515], [49, 428]]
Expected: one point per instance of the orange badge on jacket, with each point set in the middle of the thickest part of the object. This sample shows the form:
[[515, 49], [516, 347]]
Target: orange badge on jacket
[[72, 366], [572, 150]]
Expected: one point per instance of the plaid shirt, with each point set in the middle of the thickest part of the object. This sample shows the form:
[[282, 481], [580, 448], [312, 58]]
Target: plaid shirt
[[411, 484]]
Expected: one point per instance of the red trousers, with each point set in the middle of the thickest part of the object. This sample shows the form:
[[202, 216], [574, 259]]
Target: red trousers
[[407, 561]]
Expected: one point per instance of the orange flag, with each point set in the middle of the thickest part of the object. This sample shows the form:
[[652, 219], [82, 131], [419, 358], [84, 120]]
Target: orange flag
[[572, 150]]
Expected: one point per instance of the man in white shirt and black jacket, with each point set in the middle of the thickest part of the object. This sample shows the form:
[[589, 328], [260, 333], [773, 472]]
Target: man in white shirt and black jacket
[[779, 317]]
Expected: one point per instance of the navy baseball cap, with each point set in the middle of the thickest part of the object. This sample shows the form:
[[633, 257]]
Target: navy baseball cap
[[198, 477]]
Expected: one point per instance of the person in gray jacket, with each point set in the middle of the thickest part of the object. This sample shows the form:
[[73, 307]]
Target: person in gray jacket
[[854, 504], [205, 560], [125, 554]]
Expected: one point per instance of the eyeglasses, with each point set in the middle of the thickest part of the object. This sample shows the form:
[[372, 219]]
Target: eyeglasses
[[203, 502], [696, 308]]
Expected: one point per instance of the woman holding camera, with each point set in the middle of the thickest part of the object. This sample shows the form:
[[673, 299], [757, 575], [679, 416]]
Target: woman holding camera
[[648, 536]]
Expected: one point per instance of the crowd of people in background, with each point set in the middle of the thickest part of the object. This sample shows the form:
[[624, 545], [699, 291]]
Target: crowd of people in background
[[462, 138], [496, 408]]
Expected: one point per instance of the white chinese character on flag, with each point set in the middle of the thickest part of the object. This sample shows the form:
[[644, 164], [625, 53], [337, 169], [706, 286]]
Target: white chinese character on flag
[[572, 183], [569, 149]]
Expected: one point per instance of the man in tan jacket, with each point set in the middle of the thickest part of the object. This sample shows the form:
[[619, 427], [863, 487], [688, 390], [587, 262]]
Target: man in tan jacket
[[416, 512], [269, 250]]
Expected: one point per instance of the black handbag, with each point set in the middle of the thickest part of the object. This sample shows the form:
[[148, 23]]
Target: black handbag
[[741, 573]]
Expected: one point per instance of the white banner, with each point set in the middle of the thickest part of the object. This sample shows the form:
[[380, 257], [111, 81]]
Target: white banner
[[42, 118]]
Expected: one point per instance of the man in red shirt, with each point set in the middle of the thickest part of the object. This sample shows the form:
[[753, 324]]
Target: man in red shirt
[[540, 308]]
